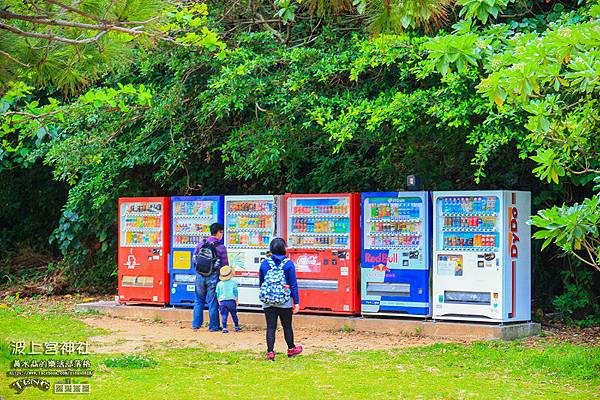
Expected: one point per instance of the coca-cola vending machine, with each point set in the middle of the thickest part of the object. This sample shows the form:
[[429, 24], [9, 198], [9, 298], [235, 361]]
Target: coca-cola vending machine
[[323, 237]]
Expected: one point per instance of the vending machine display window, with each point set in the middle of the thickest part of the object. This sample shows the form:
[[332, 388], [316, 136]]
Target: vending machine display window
[[191, 221], [393, 223], [141, 224], [470, 223], [249, 223]]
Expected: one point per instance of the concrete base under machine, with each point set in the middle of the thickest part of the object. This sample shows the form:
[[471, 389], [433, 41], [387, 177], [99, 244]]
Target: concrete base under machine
[[434, 329]]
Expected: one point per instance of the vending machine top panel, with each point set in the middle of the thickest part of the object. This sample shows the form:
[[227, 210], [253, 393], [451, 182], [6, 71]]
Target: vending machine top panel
[[250, 222], [318, 222], [191, 219], [141, 222]]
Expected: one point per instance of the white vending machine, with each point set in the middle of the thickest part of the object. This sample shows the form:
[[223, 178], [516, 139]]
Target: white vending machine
[[250, 224], [482, 256]]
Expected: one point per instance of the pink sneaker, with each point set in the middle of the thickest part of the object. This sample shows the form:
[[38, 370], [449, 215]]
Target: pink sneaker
[[295, 351], [271, 356]]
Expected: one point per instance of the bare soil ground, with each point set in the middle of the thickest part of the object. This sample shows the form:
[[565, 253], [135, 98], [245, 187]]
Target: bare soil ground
[[137, 336]]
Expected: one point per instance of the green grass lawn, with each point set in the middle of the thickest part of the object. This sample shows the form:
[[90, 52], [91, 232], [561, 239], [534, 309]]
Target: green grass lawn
[[485, 370]]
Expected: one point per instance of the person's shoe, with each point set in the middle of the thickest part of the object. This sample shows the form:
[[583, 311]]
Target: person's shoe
[[295, 351], [225, 330], [270, 356], [237, 329], [195, 328]]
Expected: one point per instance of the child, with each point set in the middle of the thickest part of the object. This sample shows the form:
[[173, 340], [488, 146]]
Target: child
[[227, 296]]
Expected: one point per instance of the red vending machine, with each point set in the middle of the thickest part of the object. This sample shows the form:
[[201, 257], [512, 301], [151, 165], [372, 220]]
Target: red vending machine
[[323, 237], [144, 250]]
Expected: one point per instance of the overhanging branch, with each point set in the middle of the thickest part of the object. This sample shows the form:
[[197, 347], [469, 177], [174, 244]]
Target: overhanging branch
[[42, 20], [5, 54], [97, 18], [51, 37]]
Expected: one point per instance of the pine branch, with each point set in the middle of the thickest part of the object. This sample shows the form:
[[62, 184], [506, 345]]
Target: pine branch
[[5, 54], [41, 20], [97, 18], [50, 37]]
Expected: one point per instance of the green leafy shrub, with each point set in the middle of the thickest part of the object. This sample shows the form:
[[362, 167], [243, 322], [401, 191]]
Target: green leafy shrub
[[577, 304], [573, 228]]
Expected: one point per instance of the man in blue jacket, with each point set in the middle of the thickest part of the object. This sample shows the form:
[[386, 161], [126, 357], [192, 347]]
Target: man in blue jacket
[[206, 286]]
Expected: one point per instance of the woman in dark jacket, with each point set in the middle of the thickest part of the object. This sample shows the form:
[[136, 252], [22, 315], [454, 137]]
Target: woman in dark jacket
[[282, 311]]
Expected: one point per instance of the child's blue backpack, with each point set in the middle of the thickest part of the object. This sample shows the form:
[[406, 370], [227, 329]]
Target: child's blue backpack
[[273, 290]]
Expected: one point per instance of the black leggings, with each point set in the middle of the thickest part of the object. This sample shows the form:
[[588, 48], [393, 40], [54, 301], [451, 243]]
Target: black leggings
[[285, 315]]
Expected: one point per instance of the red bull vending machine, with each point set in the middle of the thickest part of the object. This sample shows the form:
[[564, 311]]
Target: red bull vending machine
[[395, 261]]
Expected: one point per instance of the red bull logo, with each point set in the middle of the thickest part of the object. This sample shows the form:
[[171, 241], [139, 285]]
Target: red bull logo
[[382, 258], [381, 268]]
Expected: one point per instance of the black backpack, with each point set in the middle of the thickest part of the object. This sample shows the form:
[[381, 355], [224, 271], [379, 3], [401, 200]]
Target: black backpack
[[205, 259]]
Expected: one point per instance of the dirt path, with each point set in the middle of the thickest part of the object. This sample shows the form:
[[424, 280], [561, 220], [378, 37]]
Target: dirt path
[[137, 336]]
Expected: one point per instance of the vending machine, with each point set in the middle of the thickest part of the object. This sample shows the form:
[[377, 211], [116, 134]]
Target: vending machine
[[143, 250], [482, 256], [396, 232], [250, 224], [191, 217], [323, 238]]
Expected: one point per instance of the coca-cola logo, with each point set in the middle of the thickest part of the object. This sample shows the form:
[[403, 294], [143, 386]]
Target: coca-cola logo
[[306, 259]]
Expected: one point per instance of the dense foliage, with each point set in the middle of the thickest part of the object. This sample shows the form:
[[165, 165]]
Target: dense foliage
[[325, 96]]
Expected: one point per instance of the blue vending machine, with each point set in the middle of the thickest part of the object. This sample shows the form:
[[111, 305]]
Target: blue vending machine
[[191, 217], [396, 232]]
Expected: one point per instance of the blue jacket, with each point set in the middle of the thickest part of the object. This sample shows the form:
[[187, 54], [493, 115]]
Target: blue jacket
[[289, 270]]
